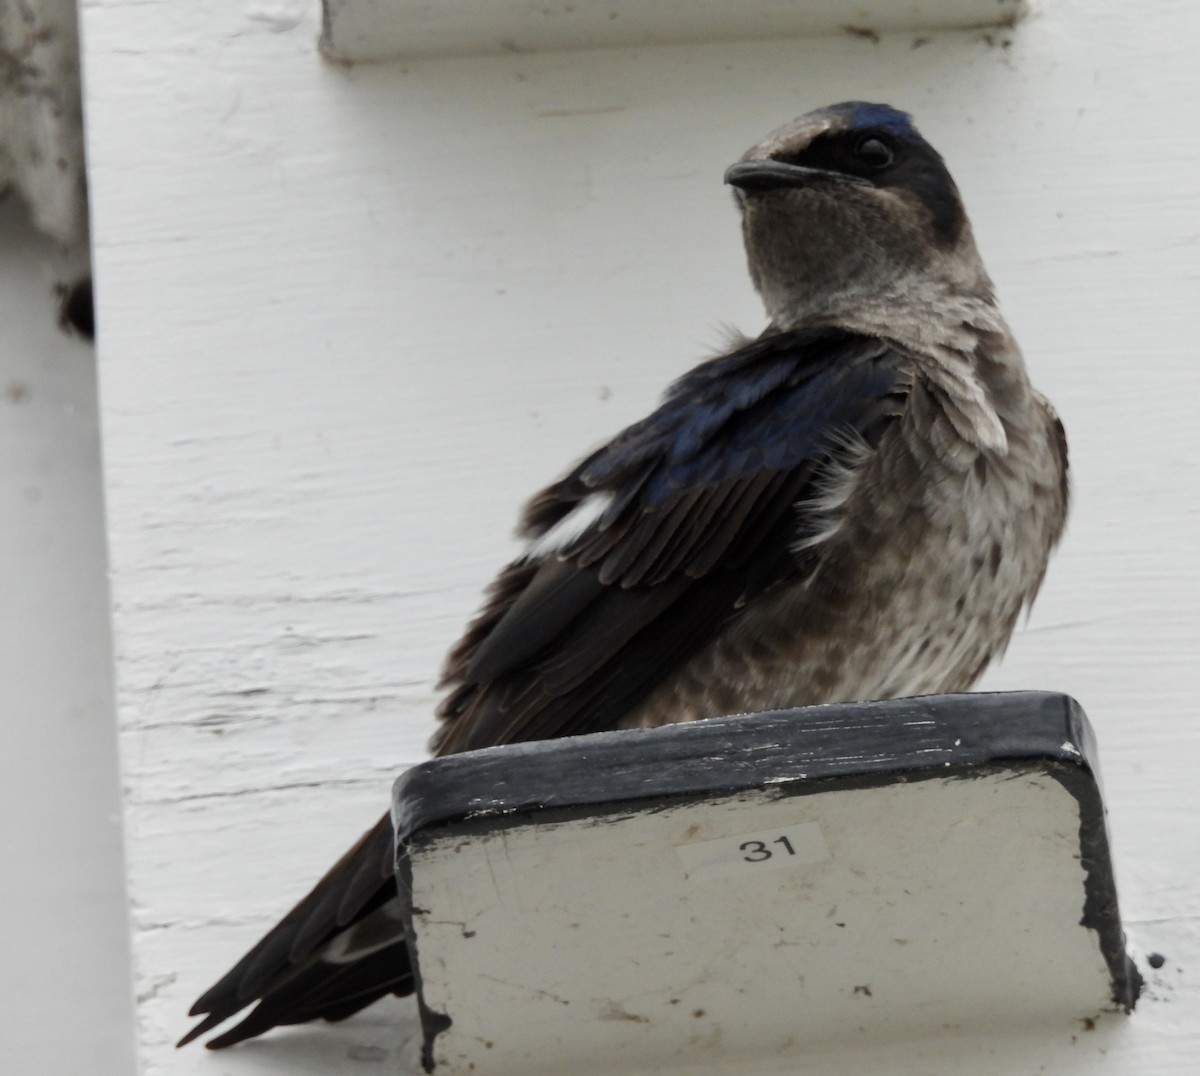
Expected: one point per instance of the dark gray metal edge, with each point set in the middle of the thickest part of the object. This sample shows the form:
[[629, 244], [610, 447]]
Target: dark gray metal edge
[[1101, 911], [898, 736]]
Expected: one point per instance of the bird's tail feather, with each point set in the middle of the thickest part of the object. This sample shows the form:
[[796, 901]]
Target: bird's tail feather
[[341, 948]]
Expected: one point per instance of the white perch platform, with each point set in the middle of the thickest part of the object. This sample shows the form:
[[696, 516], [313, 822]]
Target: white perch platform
[[728, 894]]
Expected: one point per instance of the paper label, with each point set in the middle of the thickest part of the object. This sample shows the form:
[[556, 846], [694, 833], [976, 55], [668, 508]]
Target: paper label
[[768, 849]]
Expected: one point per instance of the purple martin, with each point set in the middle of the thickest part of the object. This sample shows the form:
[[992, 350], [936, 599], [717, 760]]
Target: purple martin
[[855, 505]]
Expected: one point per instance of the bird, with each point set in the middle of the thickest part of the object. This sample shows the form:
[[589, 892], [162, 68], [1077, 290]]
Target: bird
[[856, 504]]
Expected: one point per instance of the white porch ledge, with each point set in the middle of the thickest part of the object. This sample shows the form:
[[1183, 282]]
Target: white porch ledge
[[385, 29]]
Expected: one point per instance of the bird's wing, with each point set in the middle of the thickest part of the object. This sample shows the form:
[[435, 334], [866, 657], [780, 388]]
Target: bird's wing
[[651, 545], [638, 556]]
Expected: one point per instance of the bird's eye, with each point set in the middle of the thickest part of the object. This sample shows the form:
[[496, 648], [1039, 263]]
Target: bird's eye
[[874, 152]]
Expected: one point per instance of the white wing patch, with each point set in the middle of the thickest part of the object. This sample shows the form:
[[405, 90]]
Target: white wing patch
[[834, 487], [383, 927], [570, 527]]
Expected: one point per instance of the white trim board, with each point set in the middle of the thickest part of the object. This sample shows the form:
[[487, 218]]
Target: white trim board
[[357, 30]]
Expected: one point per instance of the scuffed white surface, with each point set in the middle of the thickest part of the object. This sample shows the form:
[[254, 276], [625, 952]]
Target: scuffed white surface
[[350, 317], [65, 1004], [587, 945], [377, 29]]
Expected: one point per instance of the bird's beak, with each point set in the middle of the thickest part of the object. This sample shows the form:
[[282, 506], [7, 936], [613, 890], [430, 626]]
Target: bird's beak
[[766, 175]]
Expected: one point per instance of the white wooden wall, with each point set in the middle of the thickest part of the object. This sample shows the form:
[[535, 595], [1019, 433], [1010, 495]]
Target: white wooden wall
[[351, 316]]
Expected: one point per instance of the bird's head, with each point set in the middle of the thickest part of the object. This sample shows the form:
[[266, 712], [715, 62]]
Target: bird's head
[[846, 204]]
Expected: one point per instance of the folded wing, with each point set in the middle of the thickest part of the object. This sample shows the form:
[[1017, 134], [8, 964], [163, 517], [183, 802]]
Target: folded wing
[[637, 557]]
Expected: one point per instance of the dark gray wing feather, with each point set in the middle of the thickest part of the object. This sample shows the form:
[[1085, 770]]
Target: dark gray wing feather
[[703, 511]]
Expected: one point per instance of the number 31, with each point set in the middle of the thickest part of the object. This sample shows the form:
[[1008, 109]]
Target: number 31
[[758, 852]]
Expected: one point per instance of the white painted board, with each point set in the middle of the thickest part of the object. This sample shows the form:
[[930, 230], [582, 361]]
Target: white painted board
[[356, 30], [650, 941]]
